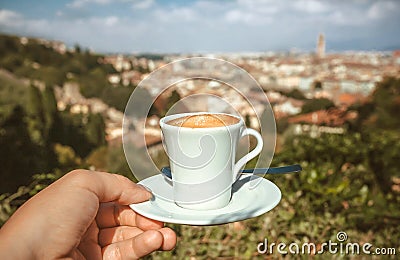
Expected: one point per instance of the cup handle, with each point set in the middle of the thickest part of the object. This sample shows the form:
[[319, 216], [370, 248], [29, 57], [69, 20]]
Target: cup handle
[[239, 165]]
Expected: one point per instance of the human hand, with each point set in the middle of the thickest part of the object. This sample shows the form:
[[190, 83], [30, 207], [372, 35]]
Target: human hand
[[82, 215]]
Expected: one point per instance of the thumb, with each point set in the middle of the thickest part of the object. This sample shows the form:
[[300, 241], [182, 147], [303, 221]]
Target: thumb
[[107, 187]]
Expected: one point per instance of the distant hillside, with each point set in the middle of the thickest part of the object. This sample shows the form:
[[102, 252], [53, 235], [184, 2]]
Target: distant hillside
[[51, 63], [13, 91]]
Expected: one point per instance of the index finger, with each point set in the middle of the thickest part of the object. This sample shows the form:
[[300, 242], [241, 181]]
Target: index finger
[[112, 215], [107, 187]]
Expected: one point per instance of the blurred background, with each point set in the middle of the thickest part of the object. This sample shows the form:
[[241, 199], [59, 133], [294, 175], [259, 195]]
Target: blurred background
[[331, 71]]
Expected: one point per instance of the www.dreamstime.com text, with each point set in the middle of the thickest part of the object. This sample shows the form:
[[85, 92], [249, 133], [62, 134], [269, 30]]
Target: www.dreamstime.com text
[[339, 247]]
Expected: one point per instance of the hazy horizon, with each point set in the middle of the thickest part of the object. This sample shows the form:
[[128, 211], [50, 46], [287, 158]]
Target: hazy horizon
[[202, 26]]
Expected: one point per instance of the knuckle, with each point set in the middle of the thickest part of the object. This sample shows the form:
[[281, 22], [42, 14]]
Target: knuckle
[[113, 252], [77, 174], [121, 178], [81, 179], [120, 235]]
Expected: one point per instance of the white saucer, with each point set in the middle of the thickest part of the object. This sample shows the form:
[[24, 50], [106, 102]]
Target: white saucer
[[251, 197]]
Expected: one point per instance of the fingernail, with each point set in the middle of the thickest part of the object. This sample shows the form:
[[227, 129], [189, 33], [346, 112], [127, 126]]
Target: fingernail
[[149, 190]]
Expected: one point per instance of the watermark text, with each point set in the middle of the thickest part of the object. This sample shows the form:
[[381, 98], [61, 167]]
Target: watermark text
[[339, 247]]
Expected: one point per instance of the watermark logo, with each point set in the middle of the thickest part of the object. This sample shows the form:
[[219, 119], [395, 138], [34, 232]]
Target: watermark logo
[[342, 246], [203, 84], [341, 236]]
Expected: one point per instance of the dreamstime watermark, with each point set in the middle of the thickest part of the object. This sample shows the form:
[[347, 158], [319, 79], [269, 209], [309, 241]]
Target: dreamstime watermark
[[340, 247], [204, 84]]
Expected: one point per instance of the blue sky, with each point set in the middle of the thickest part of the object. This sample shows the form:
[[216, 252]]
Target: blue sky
[[207, 26]]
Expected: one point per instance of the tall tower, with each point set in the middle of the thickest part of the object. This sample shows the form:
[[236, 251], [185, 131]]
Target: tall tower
[[321, 46]]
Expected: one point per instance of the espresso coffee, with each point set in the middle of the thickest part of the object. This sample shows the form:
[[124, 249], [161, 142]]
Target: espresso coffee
[[201, 148], [204, 121]]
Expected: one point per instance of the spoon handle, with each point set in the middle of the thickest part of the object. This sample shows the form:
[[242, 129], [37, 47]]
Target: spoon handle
[[166, 171], [274, 170]]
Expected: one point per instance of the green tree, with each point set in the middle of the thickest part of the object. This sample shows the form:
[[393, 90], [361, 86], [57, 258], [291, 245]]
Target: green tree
[[317, 104], [109, 69], [296, 94], [381, 110], [49, 109], [35, 112], [83, 133], [386, 99], [41, 54], [11, 62], [77, 48], [50, 75], [94, 83], [383, 156], [74, 66], [117, 97], [19, 156], [8, 45], [66, 157], [70, 132], [12, 92], [95, 130], [364, 111], [355, 165]]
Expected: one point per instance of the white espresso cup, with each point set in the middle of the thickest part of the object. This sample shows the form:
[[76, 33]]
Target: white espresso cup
[[202, 148]]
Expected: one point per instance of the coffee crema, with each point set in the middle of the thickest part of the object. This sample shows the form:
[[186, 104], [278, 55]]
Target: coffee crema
[[204, 121]]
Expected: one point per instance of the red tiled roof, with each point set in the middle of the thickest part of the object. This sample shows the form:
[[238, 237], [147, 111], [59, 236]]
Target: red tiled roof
[[152, 140], [330, 117], [348, 99]]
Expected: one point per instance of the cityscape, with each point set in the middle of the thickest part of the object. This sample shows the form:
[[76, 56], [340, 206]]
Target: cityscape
[[343, 78]]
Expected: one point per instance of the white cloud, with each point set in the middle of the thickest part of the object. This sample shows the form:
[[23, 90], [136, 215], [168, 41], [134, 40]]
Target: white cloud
[[176, 14], [111, 21], [81, 3], [256, 3], [70, 31], [136, 4], [235, 16], [252, 12], [311, 6], [383, 8], [249, 18], [343, 18], [9, 18], [260, 6], [208, 5], [142, 4]]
